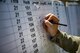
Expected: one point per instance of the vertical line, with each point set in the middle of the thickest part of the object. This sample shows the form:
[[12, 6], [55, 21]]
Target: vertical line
[[12, 27]]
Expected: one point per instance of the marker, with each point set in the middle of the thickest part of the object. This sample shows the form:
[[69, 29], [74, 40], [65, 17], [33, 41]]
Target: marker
[[57, 23]]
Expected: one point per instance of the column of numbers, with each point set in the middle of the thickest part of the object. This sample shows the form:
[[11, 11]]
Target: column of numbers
[[19, 26], [31, 27]]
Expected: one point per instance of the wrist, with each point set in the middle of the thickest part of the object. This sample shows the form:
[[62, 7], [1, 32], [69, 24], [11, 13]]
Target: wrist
[[55, 34]]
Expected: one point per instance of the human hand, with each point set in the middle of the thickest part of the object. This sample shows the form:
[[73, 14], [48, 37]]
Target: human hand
[[52, 29]]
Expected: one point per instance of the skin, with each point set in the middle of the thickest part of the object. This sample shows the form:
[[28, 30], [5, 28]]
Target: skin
[[67, 42], [50, 28]]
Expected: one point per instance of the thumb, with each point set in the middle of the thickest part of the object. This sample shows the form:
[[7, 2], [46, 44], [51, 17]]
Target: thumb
[[48, 24]]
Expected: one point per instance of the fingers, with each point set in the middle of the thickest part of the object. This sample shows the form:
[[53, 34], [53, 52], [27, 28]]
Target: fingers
[[52, 17], [47, 16], [44, 25], [50, 27], [48, 24]]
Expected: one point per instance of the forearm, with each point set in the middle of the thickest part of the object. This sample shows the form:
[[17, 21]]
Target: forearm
[[67, 42]]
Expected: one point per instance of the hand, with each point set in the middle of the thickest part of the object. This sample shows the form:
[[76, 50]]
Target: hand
[[52, 29]]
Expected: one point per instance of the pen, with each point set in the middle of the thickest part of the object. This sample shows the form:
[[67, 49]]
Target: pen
[[57, 23]]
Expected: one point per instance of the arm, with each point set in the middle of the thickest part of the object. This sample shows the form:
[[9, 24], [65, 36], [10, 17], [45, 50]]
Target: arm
[[67, 42]]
